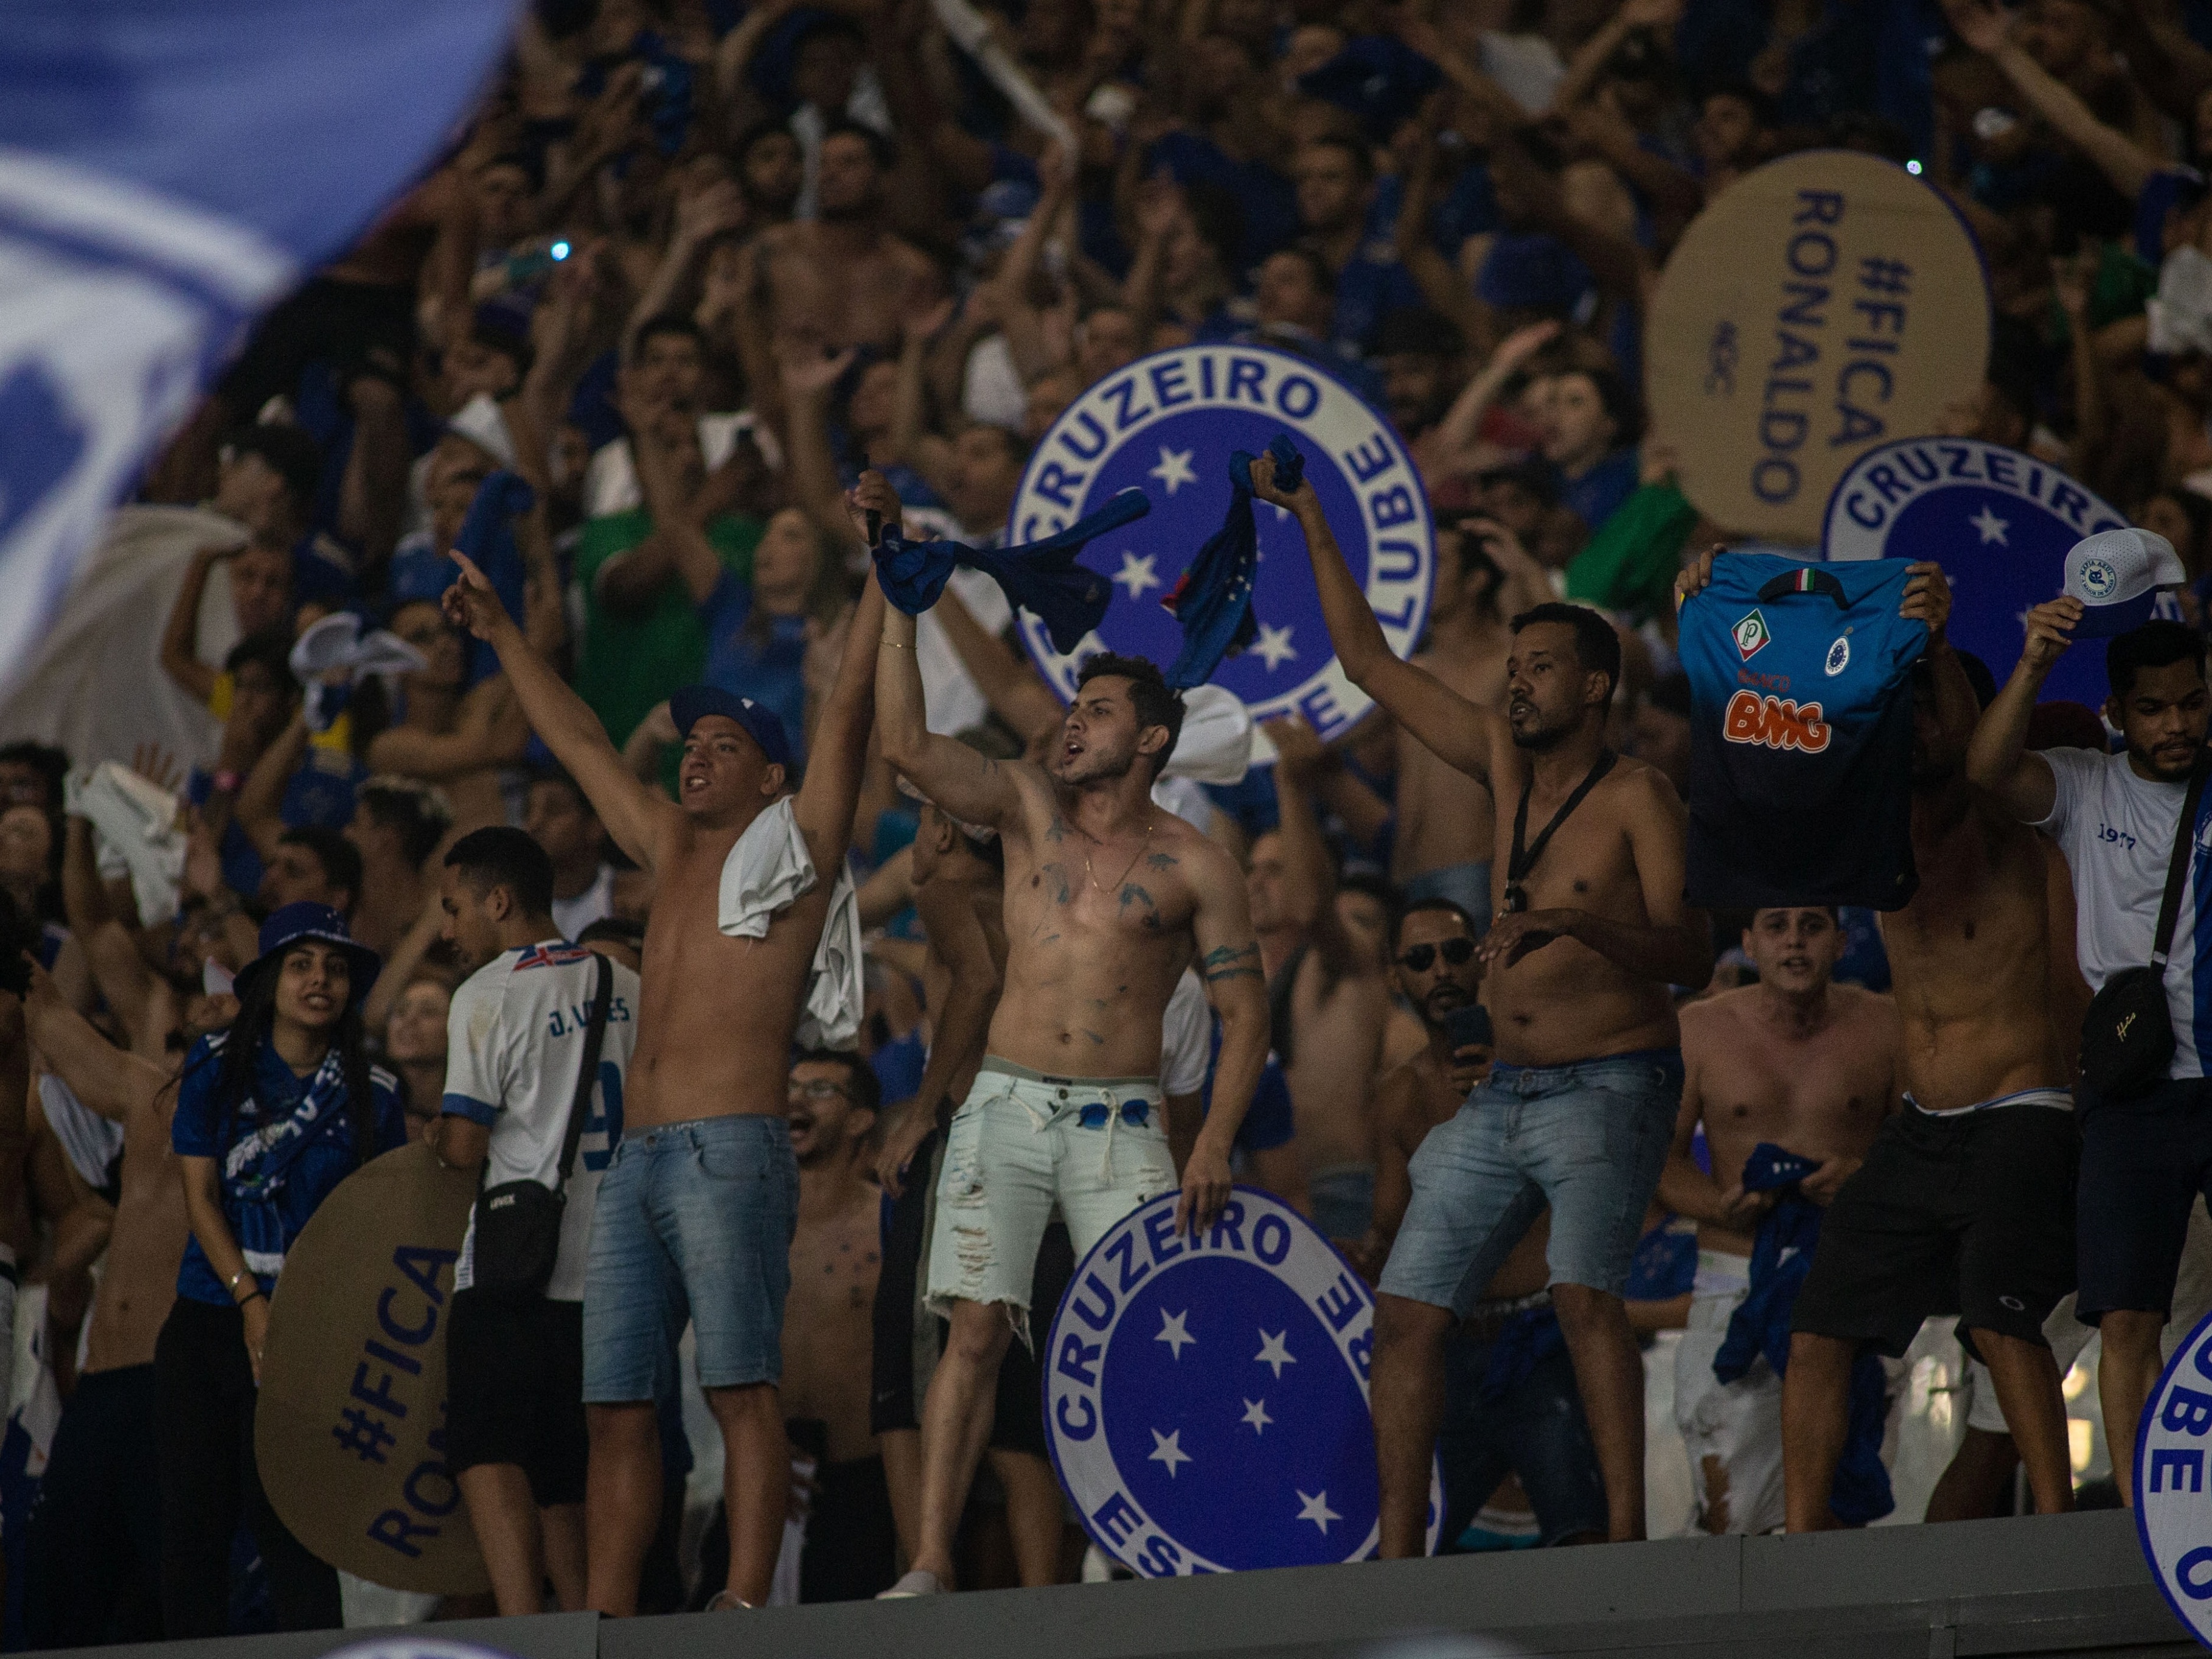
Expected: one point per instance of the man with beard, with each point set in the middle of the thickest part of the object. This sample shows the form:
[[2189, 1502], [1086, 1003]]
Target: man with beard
[[696, 1209], [1591, 931], [2146, 1159], [1964, 1203], [1509, 1400], [1108, 899], [842, 279], [1806, 1066]]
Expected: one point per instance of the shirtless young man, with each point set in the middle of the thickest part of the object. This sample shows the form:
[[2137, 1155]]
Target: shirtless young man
[[1534, 1429], [1586, 943], [1966, 1201], [842, 278], [93, 1563], [695, 1211], [837, 1254], [1108, 899], [1329, 1003], [1812, 1068]]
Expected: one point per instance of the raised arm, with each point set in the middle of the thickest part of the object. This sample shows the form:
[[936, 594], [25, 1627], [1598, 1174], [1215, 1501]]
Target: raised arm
[[1008, 683], [119, 971], [1461, 733], [109, 1080], [1462, 426], [962, 782], [1672, 945], [260, 809], [639, 820], [1998, 758], [1228, 962], [840, 749], [180, 659], [957, 1029], [1988, 30]]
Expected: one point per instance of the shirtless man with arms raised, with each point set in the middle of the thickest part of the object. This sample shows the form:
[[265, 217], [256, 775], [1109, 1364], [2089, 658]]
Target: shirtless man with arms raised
[[696, 1212], [1806, 1066], [1591, 932], [1108, 899], [94, 1566], [842, 279], [1966, 1201]]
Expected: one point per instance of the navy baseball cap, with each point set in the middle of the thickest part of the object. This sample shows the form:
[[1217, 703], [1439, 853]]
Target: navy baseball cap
[[695, 702], [2117, 575], [306, 919]]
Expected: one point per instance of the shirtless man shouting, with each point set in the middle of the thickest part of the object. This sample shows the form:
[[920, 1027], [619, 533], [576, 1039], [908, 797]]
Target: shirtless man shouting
[[1107, 899], [1812, 1068], [695, 1211], [1590, 932]]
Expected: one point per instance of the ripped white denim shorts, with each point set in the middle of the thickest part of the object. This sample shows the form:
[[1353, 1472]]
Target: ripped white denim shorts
[[1022, 1143]]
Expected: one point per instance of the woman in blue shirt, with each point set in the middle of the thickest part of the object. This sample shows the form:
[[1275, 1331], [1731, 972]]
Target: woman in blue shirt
[[271, 1116], [757, 635]]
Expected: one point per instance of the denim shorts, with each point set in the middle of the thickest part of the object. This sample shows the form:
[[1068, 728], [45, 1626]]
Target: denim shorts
[[694, 1223], [1588, 1139], [1019, 1148]]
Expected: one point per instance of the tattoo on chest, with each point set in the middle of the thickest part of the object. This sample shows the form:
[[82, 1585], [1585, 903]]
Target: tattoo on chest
[[1161, 861], [1232, 961], [1057, 830], [1054, 877]]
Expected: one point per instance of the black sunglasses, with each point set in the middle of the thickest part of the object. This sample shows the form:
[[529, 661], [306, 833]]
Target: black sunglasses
[[1417, 958]]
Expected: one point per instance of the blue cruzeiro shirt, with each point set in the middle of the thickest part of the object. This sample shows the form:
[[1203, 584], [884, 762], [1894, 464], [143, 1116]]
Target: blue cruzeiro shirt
[[1801, 734]]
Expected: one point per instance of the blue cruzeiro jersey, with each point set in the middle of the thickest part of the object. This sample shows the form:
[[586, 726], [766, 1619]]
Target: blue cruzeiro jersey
[[1801, 734]]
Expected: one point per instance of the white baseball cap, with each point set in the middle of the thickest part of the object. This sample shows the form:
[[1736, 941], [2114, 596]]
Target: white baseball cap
[[2117, 575]]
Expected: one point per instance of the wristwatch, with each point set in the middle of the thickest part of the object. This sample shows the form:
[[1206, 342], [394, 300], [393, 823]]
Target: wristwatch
[[243, 1273]]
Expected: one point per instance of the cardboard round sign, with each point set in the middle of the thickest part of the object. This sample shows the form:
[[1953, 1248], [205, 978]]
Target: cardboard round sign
[[1166, 424], [1823, 304], [2173, 1499], [1206, 1393], [1998, 521], [349, 1431]]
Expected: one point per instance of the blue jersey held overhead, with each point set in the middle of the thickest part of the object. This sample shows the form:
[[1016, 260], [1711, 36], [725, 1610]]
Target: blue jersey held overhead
[[1801, 734]]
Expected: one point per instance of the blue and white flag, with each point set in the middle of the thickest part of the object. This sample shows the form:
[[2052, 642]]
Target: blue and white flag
[[167, 173]]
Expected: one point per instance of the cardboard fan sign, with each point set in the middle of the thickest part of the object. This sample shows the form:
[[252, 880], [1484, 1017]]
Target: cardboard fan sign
[[1822, 305], [351, 1428]]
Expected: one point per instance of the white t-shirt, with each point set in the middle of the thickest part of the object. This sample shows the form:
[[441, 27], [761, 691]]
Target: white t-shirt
[[513, 1045], [1186, 1038], [595, 903], [2117, 831]]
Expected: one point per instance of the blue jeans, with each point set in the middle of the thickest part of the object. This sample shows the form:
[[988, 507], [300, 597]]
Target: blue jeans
[[1589, 1138], [694, 1223]]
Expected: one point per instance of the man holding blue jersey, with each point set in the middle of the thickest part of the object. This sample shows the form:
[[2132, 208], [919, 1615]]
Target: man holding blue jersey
[[2146, 1159], [1591, 932]]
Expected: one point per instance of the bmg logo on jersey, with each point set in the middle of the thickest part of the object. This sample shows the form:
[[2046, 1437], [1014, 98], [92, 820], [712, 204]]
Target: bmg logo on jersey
[[1206, 1393], [1776, 722], [1166, 425]]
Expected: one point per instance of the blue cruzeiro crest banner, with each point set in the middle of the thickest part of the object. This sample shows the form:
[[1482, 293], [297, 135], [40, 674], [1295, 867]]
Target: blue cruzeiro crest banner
[[1205, 1394], [2173, 1501], [1999, 523], [1166, 425]]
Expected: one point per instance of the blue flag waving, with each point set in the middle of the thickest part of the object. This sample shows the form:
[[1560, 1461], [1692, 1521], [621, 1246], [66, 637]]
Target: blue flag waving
[[1041, 577], [1212, 600], [166, 173]]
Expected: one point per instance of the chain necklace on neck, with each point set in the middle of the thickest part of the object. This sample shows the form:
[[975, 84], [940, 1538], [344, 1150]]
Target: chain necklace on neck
[[1124, 875]]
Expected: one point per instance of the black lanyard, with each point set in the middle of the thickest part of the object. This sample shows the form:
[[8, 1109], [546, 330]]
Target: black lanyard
[[1524, 858]]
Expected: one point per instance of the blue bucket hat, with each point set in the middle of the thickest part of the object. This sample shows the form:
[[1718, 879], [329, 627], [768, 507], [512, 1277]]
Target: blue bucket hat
[[695, 702], [308, 920]]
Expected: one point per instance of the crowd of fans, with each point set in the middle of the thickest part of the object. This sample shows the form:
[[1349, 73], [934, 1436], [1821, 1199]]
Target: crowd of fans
[[692, 267]]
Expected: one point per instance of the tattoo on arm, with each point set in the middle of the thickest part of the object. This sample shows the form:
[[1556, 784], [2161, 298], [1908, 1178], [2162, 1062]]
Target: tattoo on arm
[[1232, 961]]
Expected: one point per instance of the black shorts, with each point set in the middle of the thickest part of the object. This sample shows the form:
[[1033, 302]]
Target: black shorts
[[514, 1391], [1971, 1215], [2144, 1164], [907, 1339]]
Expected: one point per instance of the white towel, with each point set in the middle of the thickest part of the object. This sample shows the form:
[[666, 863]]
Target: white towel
[[335, 646], [768, 870], [138, 820]]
